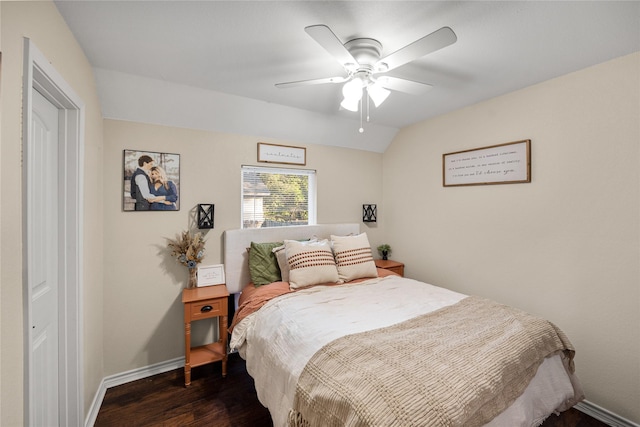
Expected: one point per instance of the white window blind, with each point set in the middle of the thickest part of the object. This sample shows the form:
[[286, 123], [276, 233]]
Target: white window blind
[[277, 197]]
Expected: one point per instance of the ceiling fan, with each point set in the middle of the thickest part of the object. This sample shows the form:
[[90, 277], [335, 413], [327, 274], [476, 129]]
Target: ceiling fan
[[361, 59]]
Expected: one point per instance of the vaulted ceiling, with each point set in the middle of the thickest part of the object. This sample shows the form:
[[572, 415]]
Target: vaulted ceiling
[[214, 64]]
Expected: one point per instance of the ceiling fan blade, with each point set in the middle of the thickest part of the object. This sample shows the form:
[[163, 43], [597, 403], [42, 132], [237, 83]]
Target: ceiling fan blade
[[312, 82], [403, 85], [330, 42], [419, 48]]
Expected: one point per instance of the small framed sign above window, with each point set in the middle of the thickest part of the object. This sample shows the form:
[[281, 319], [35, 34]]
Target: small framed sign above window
[[285, 154]]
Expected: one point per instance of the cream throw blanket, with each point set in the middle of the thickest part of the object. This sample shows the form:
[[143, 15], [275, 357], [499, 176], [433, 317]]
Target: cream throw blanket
[[461, 365]]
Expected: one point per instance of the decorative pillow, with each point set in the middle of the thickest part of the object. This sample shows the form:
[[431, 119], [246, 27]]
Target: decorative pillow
[[281, 256], [263, 265], [353, 257], [310, 263]]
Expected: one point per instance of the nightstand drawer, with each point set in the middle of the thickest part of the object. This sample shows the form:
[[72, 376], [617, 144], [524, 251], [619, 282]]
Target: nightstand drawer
[[208, 308], [398, 270]]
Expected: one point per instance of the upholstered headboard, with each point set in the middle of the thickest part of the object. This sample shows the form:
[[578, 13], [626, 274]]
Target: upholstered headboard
[[236, 242]]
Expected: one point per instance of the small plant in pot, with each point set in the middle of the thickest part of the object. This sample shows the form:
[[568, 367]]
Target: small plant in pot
[[384, 250]]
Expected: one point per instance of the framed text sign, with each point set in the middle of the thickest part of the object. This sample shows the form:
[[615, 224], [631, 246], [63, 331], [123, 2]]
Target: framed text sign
[[211, 275], [508, 163], [286, 154]]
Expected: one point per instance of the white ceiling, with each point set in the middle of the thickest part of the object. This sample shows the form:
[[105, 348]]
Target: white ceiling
[[219, 60]]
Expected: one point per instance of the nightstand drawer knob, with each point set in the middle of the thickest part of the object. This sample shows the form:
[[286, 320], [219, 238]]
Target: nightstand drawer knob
[[206, 309]]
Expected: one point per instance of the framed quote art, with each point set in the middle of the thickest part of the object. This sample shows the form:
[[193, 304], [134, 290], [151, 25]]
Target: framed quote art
[[508, 163], [285, 154], [209, 275], [151, 181]]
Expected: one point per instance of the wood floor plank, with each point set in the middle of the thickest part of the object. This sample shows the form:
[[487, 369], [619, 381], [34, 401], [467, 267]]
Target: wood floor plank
[[213, 401]]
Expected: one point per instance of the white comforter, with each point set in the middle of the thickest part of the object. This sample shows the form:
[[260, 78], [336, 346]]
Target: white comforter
[[279, 339]]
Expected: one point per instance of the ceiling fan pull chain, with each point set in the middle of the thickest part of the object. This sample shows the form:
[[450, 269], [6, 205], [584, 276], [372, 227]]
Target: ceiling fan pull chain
[[368, 104], [361, 130]]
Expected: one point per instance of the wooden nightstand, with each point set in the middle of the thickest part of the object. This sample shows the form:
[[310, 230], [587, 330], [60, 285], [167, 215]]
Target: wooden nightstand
[[387, 264], [205, 303]]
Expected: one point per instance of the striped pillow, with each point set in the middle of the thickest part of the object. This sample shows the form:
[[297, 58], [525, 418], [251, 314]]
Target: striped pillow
[[353, 257], [310, 263]]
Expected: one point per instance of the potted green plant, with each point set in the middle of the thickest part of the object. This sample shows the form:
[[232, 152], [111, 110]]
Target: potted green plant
[[384, 250]]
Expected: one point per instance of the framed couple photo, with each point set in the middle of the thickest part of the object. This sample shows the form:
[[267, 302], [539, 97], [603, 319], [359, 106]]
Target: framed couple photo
[[151, 181]]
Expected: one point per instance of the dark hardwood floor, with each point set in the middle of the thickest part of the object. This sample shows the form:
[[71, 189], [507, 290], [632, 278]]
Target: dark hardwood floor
[[210, 400], [163, 400]]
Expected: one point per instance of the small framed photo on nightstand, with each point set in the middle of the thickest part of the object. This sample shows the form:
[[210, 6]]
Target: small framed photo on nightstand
[[210, 275]]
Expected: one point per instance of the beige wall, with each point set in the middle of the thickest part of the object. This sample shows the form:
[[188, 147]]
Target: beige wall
[[565, 246], [41, 22], [143, 313]]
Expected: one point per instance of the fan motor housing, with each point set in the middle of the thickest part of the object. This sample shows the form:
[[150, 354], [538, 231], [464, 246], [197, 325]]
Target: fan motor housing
[[365, 51]]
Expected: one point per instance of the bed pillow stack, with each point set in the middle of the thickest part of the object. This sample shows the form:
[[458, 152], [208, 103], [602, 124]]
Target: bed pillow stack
[[310, 263], [353, 257]]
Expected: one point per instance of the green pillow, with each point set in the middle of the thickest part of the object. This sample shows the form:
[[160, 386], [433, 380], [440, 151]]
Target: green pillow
[[263, 264]]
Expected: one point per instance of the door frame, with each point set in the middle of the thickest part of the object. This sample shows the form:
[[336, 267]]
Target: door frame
[[40, 74]]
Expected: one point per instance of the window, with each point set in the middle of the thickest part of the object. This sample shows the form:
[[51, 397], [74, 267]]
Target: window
[[277, 197]]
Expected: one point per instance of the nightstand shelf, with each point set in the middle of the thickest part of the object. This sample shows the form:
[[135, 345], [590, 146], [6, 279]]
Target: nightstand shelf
[[205, 303], [387, 264], [206, 354]]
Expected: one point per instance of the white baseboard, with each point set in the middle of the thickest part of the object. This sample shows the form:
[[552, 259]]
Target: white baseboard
[[126, 377], [601, 414], [92, 415]]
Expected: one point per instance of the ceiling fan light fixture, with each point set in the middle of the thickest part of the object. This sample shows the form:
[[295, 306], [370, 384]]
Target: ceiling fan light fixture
[[350, 104], [352, 89], [377, 94]]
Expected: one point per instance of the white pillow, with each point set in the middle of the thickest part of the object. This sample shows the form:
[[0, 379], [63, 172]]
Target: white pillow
[[353, 257], [310, 263], [281, 256]]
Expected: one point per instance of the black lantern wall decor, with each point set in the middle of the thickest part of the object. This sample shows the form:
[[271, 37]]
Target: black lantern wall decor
[[205, 216], [369, 213]]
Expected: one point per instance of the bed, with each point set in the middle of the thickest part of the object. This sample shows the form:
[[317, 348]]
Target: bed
[[339, 342]]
